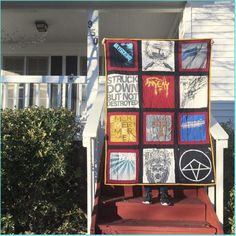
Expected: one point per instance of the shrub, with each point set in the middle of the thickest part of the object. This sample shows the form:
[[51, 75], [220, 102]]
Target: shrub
[[229, 178], [43, 179], [230, 209]]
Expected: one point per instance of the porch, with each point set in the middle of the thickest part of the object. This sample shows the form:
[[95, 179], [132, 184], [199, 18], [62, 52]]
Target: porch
[[94, 128]]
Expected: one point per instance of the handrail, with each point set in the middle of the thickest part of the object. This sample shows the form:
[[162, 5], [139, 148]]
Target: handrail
[[41, 79], [217, 131], [93, 138], [216, 193]]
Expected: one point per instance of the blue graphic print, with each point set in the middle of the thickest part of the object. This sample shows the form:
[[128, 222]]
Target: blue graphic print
[[122, 55], [194, 56], [193, 128], [123, 52], [189, 53]]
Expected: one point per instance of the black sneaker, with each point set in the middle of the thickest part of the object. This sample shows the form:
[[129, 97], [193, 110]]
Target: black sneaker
[[147, 199], [164, 200]]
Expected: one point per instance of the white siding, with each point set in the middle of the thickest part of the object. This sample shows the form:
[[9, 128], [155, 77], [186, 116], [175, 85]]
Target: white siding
[[215, 19]]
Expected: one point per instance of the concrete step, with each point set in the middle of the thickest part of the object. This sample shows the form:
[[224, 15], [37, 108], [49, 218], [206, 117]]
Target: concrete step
[[131, 226]]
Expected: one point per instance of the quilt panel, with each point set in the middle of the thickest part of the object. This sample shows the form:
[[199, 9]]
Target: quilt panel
[[157, 112]]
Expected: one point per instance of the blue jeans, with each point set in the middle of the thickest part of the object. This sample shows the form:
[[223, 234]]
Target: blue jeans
[[148, 192]]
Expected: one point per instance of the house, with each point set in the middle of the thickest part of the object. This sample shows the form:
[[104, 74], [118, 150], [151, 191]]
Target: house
[[53, 56]]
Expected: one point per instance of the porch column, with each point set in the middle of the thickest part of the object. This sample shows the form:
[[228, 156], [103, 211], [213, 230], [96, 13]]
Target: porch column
[[92, 87], [92, 58]]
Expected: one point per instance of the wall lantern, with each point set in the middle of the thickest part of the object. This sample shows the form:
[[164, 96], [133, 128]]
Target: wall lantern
[[41, 26]]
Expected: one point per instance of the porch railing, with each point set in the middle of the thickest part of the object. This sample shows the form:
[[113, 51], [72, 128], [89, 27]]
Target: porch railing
[[34, 88], [93, 142]]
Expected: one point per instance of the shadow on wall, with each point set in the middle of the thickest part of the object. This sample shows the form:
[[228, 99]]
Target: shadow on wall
[[222, 111]]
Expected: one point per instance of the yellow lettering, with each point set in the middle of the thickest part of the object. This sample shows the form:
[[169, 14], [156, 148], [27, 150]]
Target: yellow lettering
[[123, 128], [158, 84]]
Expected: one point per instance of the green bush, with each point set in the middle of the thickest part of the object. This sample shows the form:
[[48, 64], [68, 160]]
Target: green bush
[[229, 178], [230, 209], [43, 177]]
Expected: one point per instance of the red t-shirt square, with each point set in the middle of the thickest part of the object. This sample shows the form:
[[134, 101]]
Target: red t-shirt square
[[158, 91]]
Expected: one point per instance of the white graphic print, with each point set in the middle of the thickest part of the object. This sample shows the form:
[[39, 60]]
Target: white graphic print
[[158, 165], [193, 169], [122, 166]]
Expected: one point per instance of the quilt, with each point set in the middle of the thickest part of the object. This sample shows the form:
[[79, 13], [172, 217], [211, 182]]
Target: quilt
[[157, 112]]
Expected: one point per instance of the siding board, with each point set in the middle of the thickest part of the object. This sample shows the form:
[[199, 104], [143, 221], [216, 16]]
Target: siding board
[[212, 10], [222, 54], [219, 71], [228, 65], [214, 22], [222, 93], [223, 35], [212, 16], [223, 106], [228, 80], [213, 29], [223, 41]]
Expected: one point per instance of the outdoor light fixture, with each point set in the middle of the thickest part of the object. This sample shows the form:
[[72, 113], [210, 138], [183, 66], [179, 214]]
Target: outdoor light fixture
[[41, 26]]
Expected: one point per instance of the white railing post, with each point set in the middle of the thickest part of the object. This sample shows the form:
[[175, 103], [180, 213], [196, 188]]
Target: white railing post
[[79, 99], [48, 96], [27, 95], [59, 97], [220, 145], [87, 144], [216, 193], [16, 96], [5, 96], [37, 94], [93, 138], [69, 95], [63, 95]]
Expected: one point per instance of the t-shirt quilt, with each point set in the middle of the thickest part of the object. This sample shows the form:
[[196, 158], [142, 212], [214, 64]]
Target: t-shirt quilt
[[157, 112]]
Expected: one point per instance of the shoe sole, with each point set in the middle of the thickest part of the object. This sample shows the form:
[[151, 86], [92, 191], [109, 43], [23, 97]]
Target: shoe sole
[[165, 204], [147, 203]]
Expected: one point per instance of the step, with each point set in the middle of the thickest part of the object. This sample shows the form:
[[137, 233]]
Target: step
[[131, 226], [182, 209], [136, 191]]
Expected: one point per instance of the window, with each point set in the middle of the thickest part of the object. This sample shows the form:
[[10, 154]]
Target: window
[[56, 69], [71, 69], [56, 65], [83, 66], [14, 65], [37, 66]]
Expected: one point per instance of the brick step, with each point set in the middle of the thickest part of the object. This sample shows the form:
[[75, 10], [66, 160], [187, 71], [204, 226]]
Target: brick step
[[131, 226], [182, 209]]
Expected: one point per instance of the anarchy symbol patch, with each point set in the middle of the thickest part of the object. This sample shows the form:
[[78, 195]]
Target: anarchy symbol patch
[[195, 165]]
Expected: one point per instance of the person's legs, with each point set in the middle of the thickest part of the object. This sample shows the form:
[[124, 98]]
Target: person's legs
[[147, 195], [164, 198], [163, 190]]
